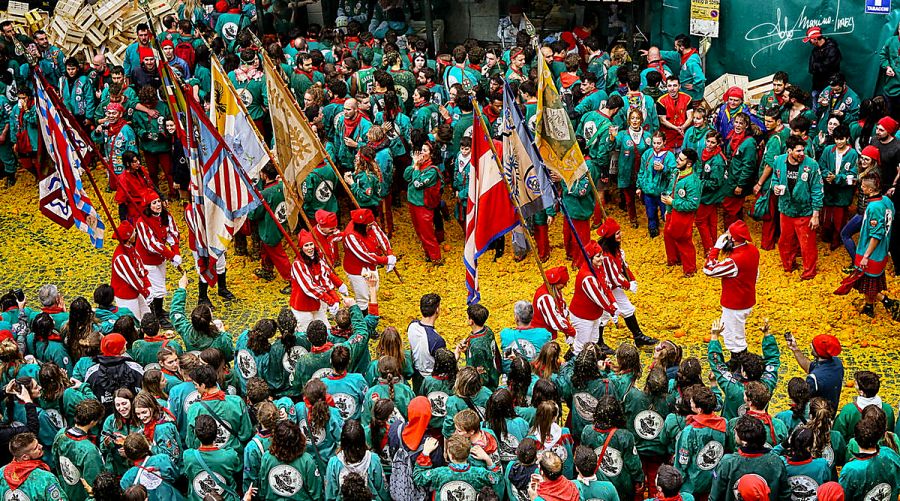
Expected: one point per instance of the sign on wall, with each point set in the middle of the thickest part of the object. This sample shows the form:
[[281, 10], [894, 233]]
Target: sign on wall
[[705, 18], [878, 6]]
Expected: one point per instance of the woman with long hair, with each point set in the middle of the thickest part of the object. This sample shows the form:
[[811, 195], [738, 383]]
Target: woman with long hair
[[291, 468], [314, 284], [81, 323], [158, 427], [391, 386], [740, 149], [366, 182], [390, 344], [377, 432], [154, 383], [199, 331], [252, 353], [321, 423], [667, 355], [468, 393], [12, 363], [521, 380], [60, 395], [550, 436], [800, 461], [631, 143], [614, 443], [501, 419], [645, 414], [547, 363], [46, 344], [438, 386], [827, 443], [658, 165], [580, 384], [91, 350], [355, 457], [117, 426]]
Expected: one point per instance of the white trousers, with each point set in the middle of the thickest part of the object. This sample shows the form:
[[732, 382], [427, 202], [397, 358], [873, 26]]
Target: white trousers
[[157, 276], [586, 331], [305, 317], [138, 306], [360, 290], [220, 265], [735, 322], [626, 309]]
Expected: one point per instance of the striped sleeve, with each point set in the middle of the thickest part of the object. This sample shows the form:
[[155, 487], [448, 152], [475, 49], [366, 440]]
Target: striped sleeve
[[382, 239], [149, 241], [726, 268], [123, 268], [302, 276], [553, 317], [361, 251], [599, 295]]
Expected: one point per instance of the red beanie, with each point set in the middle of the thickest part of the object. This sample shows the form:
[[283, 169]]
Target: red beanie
[[872, 152], [592, 248], [167, 43], [830, 491], [5, 334], [362, 216], [124, 231], [826, 345], [149, 197], [145, 52], [112, 345], [740, 232], [734, 92], [608, 228], [558, 275], [325, 219], [889, 124], [752, 487], [305, 237]]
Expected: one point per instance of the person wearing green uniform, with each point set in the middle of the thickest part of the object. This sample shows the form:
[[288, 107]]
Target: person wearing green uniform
[[153, 137], [645, 414], [365, 181], [320, 422], [271, 251], [839, 174], [317, 363], [210, 469], [230, 23], [740, 149], [873, 472], [198, 332], [45, 343], [752, 458], [117, 90], [766, 206], [77, 456], [868, 384], [26, 476], [250, 84], [350, 129], [106, 313], [658, 166], [838, 99], [461, 166], [592, 98], [438, 386], [711, 170], [355, 457], [618, 461], [588, 483], [229, 411], [23, 137], [682, 199], [701, 444], [481, 347], [805, 473], [118, 425], [752, 368], [890, 63], [154, 471], [631, 143], [348, 389], [391, 385], [468, 392], [76, 92], [459, 479], [687, 59], [303, 77], [145, 351], [775, 99], [756, 398], [580, 384], [253, 355], [695, 135], [425, 114], [288, 471]]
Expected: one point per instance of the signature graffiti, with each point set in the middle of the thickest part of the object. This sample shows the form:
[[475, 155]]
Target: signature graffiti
[[779, 33]]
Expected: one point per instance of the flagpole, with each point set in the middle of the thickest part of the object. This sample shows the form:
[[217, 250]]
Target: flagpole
[[70, 134], [531, 242]]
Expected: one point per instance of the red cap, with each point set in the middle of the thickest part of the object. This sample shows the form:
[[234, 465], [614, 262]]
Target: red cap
[[752, 487], [814, 33], [873, 153], [305, 237], [889, 124], [144, 52], [221, 6], [167, 43], [558, 275], [826, 345], [609, 228], [592, 248], [5, 334], [116, 107], [112, 345], [830, 491], [740, 232], [734, 92], [124, 231], [325, 219], [149, 197], [569, 38], [362, 216]]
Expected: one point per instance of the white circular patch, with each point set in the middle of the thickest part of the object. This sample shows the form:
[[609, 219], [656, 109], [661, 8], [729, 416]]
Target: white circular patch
[[522, 347], [648, 424], [803, 488], [457, 490], [222, 435], [345, 403], [321, 373], [246, 364], [585, 404], [681, 192], [560, 450], [828, 455], [151, 365], [149, 480], [281, 212], [246, 96], [438, 401], [230, 31], [289, 360], [69, 471], [16, 495], [507, 447], [55, 418], [804, 177], [285, 480], [204, 484], [710, 455], [192, 398], [324, 191], [742, 410], [402, 93], [612, 462]]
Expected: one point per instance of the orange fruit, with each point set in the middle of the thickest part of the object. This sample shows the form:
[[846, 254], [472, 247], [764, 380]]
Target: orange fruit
[[707, 338], [446, 247], [680, 333], [849, 383]]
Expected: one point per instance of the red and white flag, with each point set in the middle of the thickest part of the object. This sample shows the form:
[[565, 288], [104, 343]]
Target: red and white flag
[[490, 213]]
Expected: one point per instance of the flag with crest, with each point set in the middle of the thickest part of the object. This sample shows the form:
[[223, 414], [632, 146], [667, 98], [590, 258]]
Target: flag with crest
[[230, 118], [554, 135]]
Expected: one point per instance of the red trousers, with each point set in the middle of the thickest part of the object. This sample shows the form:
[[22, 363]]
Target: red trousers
[[707, 221], [542, 241], [732, 210], [597, 218], [573, 250], [797, 238], [156, 162], [629, 203], [650, 465], [678, 238], [275, 256], [770, 226], [833, 221], [423, 223]]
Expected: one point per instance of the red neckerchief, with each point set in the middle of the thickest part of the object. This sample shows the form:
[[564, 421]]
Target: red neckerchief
[[480, 333], [567, 79], [659, 66], [767, 420], [736, 140], [334, 376], [215, 395], [52, 310], [559, 58], [16, 472], [338, 100], [685, 56], [344, 333], [328, 400], [322, 349], [676, 497], [430, 85], [113, 130], [745, 454], [561, 489], [156, 339], [207, 448], [54, 336], [488, 442], [476, 67], [150, 428], [425, 165], [707, 154], [712, 421], [307, 74], [78, 436], [351, 124], [798, 463]]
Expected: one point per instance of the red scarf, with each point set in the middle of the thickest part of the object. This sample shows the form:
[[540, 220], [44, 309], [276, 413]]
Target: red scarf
[[322, 349], [561, 489], [307, 74], [660, 66], [328, 400], [113, 130], [687, 55], [767, 420], [350, 125], [215, 395], [736, 140], [150, 428], [16, 472], [712, 421], [706, 154]]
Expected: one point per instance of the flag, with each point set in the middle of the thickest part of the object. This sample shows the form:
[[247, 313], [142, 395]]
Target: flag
[[523, 169], [174, 97], [489, 213], [63, 199], [296, 145], [554, 135], [221, 193], [230, 118]]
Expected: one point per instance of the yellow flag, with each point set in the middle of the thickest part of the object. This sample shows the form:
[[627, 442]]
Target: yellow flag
[[231, 120], [296, 145], [553, 132]]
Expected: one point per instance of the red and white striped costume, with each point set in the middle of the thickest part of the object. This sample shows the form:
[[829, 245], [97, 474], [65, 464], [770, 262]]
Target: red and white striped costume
[[215, 265], [551, 314], [128, 276], [364, 252], [156, 244], [620, 278], [739, 273], [312, 285], [593, 297], [328, 244]]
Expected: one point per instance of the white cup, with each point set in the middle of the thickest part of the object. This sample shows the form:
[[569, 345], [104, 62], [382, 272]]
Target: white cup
[[850, 179], [779, 189]]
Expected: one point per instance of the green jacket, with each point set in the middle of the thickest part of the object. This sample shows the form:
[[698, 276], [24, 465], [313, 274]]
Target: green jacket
[[426, 117], [129, 101], [367, 189], [695, 138], [732, 386], [698, 451], [482, 353], [645, 417], [456, 481], [233, 412], [107, 318], [775, 434], [113, 462], [690, 73], [685, 192], [776, 146], [807, 194], [838, 192], [29, 121], [734, 466], [193, 340], [273, 194], [345, 155], [455, 404], [78, 97], [594, 128], [742, 167], [653, 182], [149, 473], [712, 183], [78, 459], [460, 128], [317, 362], [317, 191], [298, 480], [420, 180], [253, 93], [253, 453], [850, 414], [369, 468], [437, 391], [211, 470], [871, 477], [890, 56], [152, 132], [40, 484], [618, 460], [144, 351], [579, 199]]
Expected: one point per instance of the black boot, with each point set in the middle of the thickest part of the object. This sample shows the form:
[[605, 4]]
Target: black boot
[[224, 293], [601, 344], [869, 310], [240, 244], [640, 339], [203, 294], [161, 315]]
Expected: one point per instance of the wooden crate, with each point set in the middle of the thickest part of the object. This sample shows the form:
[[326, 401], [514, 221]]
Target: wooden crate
[[68, 8], [37, 19], [59, 26], [756, 89], [95, 36], [110, 10], [716, 90]]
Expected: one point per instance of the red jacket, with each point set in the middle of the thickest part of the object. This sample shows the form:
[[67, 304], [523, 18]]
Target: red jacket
[[550, 314], [365, 251], [328, 244], [156, 243], [312, 284], [738, 273], [592, 295], [129, 277], [131, 189]]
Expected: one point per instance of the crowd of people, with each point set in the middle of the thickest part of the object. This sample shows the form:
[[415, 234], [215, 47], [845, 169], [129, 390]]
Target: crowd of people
[[121, 399]]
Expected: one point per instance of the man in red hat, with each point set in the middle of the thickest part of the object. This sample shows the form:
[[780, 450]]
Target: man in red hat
[[738, 270], [592, 298], [550, 310], [825, 373], [824, 60], [327, 236], [132, 57], [365, 247], [157, 243], [129, 277]]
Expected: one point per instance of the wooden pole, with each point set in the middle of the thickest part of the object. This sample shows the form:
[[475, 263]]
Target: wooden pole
[[597, 197]]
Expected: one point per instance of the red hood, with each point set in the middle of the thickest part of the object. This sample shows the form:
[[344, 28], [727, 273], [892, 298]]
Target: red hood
[[561, 489]]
